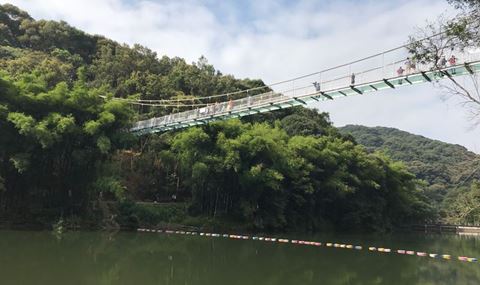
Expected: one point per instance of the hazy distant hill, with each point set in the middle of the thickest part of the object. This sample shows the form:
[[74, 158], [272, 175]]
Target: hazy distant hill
[[442, 165]]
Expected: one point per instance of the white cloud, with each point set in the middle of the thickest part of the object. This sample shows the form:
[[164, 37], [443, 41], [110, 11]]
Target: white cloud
[[277, 40]]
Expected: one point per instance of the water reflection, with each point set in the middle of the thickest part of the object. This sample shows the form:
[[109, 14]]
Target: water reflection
[[130, 258]]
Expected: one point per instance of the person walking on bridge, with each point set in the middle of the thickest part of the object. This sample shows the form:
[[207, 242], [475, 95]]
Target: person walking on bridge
[[352, 81], [400, 71], [230, 105], [442, 63], [413, 64], [408, 65], [452, 61]]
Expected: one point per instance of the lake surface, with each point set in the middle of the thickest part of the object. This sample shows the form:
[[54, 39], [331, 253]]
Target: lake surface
[[148, 258]]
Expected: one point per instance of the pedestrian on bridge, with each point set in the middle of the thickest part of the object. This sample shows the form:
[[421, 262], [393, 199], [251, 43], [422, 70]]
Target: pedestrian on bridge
[[453, 61], [352, 79], [408, 65], [317, 86], [230, 105], [442, 63], [400, 72]]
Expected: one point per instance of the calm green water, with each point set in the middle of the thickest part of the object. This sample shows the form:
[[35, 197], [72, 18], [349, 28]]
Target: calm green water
[[131, 258]]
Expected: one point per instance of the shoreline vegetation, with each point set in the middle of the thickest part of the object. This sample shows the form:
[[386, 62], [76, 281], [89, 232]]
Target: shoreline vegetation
[[67, 159]]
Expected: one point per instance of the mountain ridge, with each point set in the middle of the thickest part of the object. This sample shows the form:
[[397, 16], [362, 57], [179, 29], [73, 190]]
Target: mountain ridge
[[443, 166]]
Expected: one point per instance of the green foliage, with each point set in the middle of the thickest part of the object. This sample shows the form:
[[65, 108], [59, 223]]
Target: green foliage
[[104, 144], [21, 162], [57, 52], [156, 213], [111, 185], [48, 142], [127, 215], [258, 175], [307, 122], [133, 215], [463, 206], [25, 124], [58, 117], [441, 166]]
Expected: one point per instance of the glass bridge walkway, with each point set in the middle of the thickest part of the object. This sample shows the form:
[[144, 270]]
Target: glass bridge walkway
[[392, 69]]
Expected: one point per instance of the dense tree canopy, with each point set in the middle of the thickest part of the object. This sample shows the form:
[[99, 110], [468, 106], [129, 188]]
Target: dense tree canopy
[[52, 140], [257, 173], [58, 116], [444, 168], [462, 206]]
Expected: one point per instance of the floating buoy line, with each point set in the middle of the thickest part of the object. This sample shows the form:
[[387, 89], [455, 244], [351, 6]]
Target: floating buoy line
[[315, 243]]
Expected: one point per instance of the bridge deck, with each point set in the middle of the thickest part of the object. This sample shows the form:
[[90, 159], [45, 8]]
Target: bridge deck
[[301, 96]]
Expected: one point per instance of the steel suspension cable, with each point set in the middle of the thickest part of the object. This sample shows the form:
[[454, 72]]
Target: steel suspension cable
[[170, 102]]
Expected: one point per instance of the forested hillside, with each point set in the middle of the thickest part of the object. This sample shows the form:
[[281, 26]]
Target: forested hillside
[[57, 127], [66, 153], [445, 168]]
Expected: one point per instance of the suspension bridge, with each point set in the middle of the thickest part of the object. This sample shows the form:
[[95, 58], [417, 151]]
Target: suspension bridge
[[391, 69]]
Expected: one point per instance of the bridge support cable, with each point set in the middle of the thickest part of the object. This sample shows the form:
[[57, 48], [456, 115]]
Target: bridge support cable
[[326, 95], [388, 83], [447, 73], [273, 106], [339, 86], [254, 110], [424, 74], [298, 100], [356, 90], [247, 92], [201, 121], [468, 68]]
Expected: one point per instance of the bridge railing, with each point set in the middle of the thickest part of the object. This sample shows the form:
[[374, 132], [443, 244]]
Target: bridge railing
[[375, 68], [365, 73]]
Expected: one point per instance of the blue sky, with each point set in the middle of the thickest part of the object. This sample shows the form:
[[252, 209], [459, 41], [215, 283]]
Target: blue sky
[[277, 40]]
